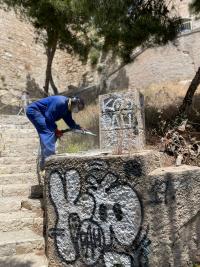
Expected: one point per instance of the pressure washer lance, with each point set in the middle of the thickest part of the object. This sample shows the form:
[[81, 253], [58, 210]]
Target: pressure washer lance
[[78, 131]]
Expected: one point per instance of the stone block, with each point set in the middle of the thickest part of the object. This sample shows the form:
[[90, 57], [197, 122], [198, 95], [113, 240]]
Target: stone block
[[10, 204], [109, 210], [172, 210], [122, 121], [24, 260], [20, 178], [95, 214], [32, 204], [20, 242]]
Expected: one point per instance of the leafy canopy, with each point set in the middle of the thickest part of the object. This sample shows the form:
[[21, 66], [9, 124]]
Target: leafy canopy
[[126, 24], [195, 6], [57, 19]]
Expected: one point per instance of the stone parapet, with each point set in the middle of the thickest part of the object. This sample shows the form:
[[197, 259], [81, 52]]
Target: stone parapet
[[106, 210], [94, 207]]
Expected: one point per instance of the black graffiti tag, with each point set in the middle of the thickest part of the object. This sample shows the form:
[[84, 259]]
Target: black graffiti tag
[[91, 242], [90, 225]]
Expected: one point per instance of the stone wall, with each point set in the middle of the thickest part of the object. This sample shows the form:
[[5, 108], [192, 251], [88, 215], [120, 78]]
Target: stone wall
[[107, 211], [173, 62], [23, 62]]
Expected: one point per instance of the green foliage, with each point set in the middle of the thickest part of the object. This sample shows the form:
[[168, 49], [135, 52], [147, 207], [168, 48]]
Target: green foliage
[[74, 148], [94, 56], [126, 24], [57, 19], [195, 6], [78, 25]]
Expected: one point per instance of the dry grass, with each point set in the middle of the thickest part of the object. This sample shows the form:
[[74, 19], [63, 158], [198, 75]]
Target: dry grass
[[161, 107], [71, 142], [162, 102]]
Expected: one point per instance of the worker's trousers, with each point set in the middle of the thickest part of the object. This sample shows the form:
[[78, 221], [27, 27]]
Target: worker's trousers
[[47, 137]]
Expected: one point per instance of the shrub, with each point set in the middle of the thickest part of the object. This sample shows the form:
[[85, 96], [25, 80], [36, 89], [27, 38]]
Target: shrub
[[94, 56]]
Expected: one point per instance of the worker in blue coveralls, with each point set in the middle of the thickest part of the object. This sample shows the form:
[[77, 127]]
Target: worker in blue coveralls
[[45, 112]]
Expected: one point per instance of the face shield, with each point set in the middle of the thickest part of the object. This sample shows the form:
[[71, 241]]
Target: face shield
[[75, 109]]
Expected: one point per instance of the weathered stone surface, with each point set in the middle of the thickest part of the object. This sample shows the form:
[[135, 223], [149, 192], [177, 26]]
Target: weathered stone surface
[[21, 218], [122, 121], [94, 213], [20, 242], [12, 169], [109, 210], [32, 204], [172, 209], [23, 63], [25, 260], [19, 178], [14, 221]]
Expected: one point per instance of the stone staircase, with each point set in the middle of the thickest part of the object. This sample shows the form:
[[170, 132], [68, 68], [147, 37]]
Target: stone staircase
[[21, 213]]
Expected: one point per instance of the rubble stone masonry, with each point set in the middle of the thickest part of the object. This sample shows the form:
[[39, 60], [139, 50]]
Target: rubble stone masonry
[[23, 61]]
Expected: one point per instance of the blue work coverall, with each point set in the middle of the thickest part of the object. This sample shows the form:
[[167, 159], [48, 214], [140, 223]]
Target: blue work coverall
[[43, 114]]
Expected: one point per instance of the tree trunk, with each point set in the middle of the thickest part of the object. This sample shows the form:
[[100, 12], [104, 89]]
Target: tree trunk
[[187, 101], [50, 51], [55, 89]]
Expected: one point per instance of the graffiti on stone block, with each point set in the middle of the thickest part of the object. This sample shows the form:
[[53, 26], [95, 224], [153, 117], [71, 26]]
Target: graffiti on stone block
[[119, 113], [117, 103], [100, 223]]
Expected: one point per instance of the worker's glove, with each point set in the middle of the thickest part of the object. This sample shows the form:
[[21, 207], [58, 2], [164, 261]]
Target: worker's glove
[[83, 130], [58, 133]]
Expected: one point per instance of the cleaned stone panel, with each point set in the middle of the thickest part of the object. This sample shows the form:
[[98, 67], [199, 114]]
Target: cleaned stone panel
[[122, 121]]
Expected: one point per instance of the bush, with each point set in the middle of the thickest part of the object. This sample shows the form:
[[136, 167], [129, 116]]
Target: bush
[[94, 56]]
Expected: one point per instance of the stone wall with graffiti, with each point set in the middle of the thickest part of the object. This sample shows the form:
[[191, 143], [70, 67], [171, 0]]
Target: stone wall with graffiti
[[122, 121], [115, 211]]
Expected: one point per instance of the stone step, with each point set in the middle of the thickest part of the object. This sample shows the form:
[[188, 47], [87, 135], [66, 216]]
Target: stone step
[[19, 141], [36, 205], [13, 119], [17, 126], [16, 221], [17, 153], [17, 160], [20, 242], [12, 204], [14, 132], [23, 190], [24, 260], [19, 147], [19, 178], [18, 168]]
